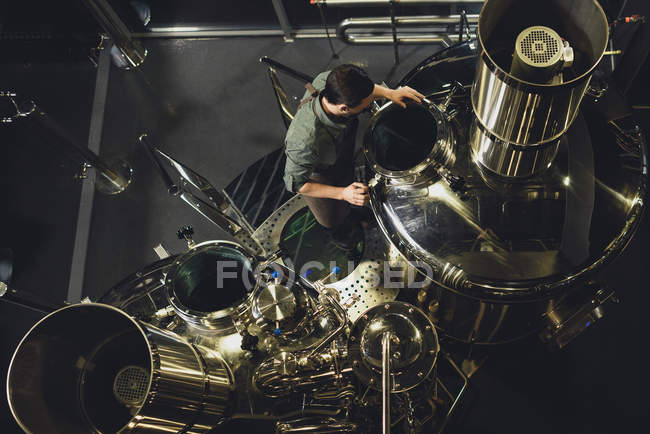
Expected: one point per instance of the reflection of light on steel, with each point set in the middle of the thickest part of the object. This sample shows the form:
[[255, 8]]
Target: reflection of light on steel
[[175, 29], [441, 192], [230, 344], [629, 202]]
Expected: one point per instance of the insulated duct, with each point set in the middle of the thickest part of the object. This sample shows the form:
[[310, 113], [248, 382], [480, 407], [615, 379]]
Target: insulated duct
[[535, 64]]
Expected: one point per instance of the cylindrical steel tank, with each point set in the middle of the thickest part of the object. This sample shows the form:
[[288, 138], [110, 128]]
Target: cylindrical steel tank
[[519, 120], [93, 368], [503, 254]]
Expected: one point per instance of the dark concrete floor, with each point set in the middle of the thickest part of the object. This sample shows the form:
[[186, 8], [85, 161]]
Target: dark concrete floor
[[209, 104]]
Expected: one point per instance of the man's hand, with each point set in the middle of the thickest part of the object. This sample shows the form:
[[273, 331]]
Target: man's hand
[[400, 94], [356, 194]]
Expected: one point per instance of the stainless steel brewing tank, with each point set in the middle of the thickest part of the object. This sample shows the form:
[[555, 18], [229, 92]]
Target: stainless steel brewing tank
[[512, 250], [408, 143], [211, 284], [93, 368], [519, 119]]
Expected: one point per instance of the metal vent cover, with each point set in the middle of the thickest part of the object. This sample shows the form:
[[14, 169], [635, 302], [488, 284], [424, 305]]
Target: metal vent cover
[[539, 46], [130, 385]]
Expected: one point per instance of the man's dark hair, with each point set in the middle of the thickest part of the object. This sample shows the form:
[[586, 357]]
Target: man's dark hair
[[347, 84]]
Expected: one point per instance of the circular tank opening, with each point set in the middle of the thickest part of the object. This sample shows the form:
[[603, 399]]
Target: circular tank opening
[[403, 138], [582, 23], [63, 372], [213, 278]]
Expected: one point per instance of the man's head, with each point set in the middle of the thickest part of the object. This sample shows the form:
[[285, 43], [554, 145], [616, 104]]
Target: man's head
[[348, 90]]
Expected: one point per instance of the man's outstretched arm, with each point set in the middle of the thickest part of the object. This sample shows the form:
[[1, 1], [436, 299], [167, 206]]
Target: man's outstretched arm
[[397, 95]]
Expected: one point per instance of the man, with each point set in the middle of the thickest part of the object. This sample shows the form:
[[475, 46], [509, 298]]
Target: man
[[320, 146]]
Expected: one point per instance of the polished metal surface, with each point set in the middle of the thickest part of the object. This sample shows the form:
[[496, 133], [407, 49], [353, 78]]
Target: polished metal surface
[[509, 160], [364, 282], [414, 345], [68, 367], [385, 381], [118, 180], [407, 343], [215, 205], [133, 51], [296, 371], [210, 284], [499, 256], [491, 245], [285, 363], [276, 302], [316, 425], [523, 113], [439, 29], [406, 145]]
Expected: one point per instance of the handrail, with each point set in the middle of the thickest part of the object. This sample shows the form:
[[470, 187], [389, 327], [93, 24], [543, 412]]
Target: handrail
[[344, 32], [287, 70]]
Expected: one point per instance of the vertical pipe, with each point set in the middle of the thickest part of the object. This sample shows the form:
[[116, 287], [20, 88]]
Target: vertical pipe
[[385, 382], [393, 26], [612, 61], [281, 13], [119, 33], [461, 23]]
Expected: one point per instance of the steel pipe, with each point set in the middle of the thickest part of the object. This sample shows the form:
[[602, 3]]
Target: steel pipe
[[218, 209], [343, 3], [114, 178], [385, 382], [287, 70], [343, 30], [132, 50]]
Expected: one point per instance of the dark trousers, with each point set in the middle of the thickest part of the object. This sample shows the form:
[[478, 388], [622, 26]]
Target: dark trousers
[[330, 213]]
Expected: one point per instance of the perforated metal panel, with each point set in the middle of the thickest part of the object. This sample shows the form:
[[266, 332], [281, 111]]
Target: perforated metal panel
[[365, 281], [539, 46]]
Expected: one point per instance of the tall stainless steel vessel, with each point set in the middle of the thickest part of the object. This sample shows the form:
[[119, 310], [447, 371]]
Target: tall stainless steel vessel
[[553, 190], [526, 92]]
